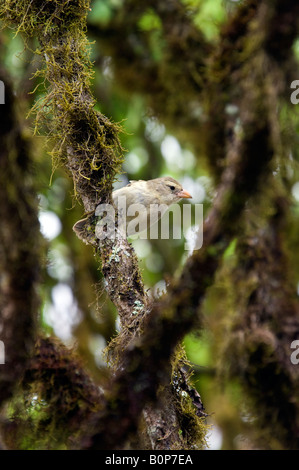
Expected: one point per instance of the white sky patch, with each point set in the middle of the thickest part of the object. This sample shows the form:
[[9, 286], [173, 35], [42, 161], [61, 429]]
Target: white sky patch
[[107, 68], [58, 265], [214, 438], [177, 159], [63, 314], [155, 263], [50, 224], [122, 180], [295, 191], [142, 247], [97, 344], [135, 160], [154, 131], [195, 188], [171, 151]]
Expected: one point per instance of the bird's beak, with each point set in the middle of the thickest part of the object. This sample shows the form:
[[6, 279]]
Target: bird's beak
[[184, 194]]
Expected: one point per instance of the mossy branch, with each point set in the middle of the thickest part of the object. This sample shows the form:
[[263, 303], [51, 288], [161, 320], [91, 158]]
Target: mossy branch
[[263, 328]]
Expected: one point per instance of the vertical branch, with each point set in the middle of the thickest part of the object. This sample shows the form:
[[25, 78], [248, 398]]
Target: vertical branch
[[265, 324]]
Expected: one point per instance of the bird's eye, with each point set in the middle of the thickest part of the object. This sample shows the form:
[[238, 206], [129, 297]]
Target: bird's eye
[[172, 188]]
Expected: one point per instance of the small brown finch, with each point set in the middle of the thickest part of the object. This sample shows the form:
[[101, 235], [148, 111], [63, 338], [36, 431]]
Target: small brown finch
[[161, 192]]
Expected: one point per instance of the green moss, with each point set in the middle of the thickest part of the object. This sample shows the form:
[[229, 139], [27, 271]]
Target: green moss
[[149, 21], [49, 16], [54, 399], [193, 427], [85, 140]]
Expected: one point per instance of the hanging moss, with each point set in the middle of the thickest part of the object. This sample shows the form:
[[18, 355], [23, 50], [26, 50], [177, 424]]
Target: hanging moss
[[85, 140]]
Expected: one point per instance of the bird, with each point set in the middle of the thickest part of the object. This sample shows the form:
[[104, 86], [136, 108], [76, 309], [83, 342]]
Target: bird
[[158, 193]]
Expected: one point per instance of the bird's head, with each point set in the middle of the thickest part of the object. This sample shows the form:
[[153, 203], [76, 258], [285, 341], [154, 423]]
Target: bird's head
[[170, 190]]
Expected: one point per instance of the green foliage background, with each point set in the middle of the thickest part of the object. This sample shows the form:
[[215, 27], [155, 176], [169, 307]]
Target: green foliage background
[[153, 147]]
